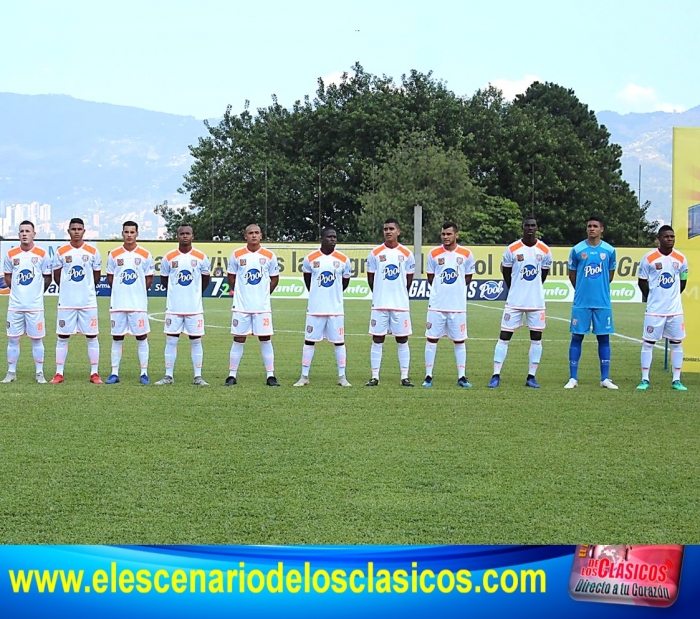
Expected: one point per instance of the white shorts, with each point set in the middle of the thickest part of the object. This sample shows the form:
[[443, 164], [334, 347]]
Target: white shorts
[[446, 324], [73, 321], [29, 323], [331, 328], [395, 322], [515, 318], [130, 323], [190, 324], [657, 327], [251, 324]]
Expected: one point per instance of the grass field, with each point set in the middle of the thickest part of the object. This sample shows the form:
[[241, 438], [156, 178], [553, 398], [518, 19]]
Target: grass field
[[122, 464]]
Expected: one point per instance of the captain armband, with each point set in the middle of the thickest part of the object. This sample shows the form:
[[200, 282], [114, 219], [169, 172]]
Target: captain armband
[[684, 276]]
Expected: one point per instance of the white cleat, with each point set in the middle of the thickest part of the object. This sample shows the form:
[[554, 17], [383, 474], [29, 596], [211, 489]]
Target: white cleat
[[343, 382], [608, 384], [302, 382], [200, 382], [10, 378], [572, 384], [166, 380], [40, 378]]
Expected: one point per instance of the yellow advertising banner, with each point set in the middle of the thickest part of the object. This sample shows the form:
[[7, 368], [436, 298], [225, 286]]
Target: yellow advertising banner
[[686, 224]]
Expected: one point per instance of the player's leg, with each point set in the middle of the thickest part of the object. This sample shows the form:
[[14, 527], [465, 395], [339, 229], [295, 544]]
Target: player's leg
[[536, 324], [434, 329], [35, 329], [88, 326], [335, 334], [457, 332], [580, 324], [510, 321], [15, 329], [66, 325], [674, 330], [652, 332], [241, 327], [174, 325], [400, 327], [139, 327], [602, 328], [262, 328], [194, 328], [118, 329], [378, 328]]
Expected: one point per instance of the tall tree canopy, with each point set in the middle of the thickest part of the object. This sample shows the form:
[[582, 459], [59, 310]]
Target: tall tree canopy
[[369, 147]]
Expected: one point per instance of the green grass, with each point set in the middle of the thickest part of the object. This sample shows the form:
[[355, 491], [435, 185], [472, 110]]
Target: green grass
[[323, 465]]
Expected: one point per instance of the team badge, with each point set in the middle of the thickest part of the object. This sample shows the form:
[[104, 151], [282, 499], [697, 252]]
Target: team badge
[[235, 322], [69, 259], [658, 266], [603, 255], [373, 322], [15, 262], [584, 255], [506, 317], [382, 258], [242, 262], [168, 321], [460, 260], [193, 263], [86, 258], [539, 257], [401, 258], [137, 261], [650, 329], [441, 261], [519, 257], [675, 264], [61, 323], [174, 264], [35, 260], [114, 324], [309, 329], [120, 262], [262, 261], [574, 321], [316, 264], [336, 264], [428, 325]]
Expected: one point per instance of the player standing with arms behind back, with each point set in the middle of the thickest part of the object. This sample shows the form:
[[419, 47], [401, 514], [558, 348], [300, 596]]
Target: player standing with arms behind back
[[663, 275], [450, 269], [326, 275], [27, 271], [390, 269], [592, 265]]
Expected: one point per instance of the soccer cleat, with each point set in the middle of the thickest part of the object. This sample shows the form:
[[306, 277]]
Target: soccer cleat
[[406, 382], [427, 381], [200, 382], [112, 380], [372, 382], [272, 382], [230, 381], [95, 379], [166, 380], [464, 382], [10, 378], [302, 382], [495, 381], [678, 386], [343, 382], [608, 384], [40, 378], [144, 380], [56, 380], [643, 386], [531, 382], [573, 383]]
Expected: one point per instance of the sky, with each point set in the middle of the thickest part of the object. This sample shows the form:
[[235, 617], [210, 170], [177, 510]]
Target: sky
[[195, 58]]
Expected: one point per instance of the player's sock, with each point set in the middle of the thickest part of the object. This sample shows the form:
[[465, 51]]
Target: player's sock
[[430, 350], [575, 354], [676, 360], [116, 357], [604, 355], [143, 351], [375, 358], [61, 354], [499, 355], [197, 355], [12, 354], [404, 359], [647, 355], [307, 355], [93, 346], [234, 358], [461, 358], [38, 352], [534, 356], [341, 356], [170, 354], [268, 355]]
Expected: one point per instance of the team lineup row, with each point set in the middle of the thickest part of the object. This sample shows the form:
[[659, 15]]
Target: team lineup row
[[253, 274]]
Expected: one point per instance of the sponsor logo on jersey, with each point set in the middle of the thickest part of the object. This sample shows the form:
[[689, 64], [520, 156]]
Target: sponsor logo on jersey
[[326, 279], [448, 276], [184, 278], [441, 261], [382, 258], [120, 262], [316, 264], [391, 272], [242, 262], [76, 274], [658, 266], [666, 280], [128, 276], [519, 257], [25, 277], [174, 264], [528, 272], [253, 277], [490, 290], [69, 259], [15, 262], [593, 271], [584, 255]]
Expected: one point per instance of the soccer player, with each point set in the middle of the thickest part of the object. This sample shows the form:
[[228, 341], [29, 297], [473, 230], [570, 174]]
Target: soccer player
[[326, 274], [130, 270], [390, 269], [253, 275], [185, 273], [27, 271], [592, 266], [663, 274], [77, 269], [450, 268], [525, 266]]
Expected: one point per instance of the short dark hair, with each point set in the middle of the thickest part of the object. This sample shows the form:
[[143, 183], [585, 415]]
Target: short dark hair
[[76, 220], [26, 222], [327, 229], [597, 218], [130, 223], [663, 229], [391, 220], [185, 226], [450, 224], [529, 217]]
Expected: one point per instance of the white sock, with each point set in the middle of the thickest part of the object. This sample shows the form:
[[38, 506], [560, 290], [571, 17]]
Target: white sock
[[117, 348], [404, 359], [534, 356], [676, 360], [375, 358], [341, 357], [38, 352], [647, 356], [499, 355], [307, 355], [143, 351], [268, 355], [12, 354], [461, 357], [197, 354], [234, 358], [430, 350], [93, 346], [170, 354], [61, 354]]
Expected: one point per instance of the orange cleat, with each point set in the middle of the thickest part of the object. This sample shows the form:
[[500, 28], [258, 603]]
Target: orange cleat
[[56, 380], [96, 380]]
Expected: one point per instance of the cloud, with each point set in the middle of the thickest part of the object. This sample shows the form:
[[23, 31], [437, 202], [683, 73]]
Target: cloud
[[641, 99], [510, 88]]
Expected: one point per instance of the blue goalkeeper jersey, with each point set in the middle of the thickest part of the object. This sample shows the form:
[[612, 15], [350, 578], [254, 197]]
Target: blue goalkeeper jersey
[[592, 266]]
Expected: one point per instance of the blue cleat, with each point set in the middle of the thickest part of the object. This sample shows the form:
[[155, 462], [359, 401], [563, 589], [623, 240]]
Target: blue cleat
[[144, 380], [463, 382], [495, 381], [428, 382], [112, 380], [532, 383]]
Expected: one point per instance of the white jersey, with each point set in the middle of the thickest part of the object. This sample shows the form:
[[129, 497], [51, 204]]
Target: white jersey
[[77, 264], [390, 267], [526, 291], [26, 270], [448, 292], [253, 270], [184, 272], [327, 274], [130, 269], [664, 274]]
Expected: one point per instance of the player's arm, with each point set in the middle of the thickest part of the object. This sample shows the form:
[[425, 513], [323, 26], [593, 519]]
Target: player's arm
[[110, 279], [409, 279], [8, 279], [231, 282], [643, 286], [545, 273], [307, 281], [507, 275], [274, 280], [468, 278], [149, 282], [47, 281], [346, 282], [164, 279], [683, 276], [57, 276], [572, 277], [206, 278], [431, 277], [612, 275], [97, 276], [370, 281]]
